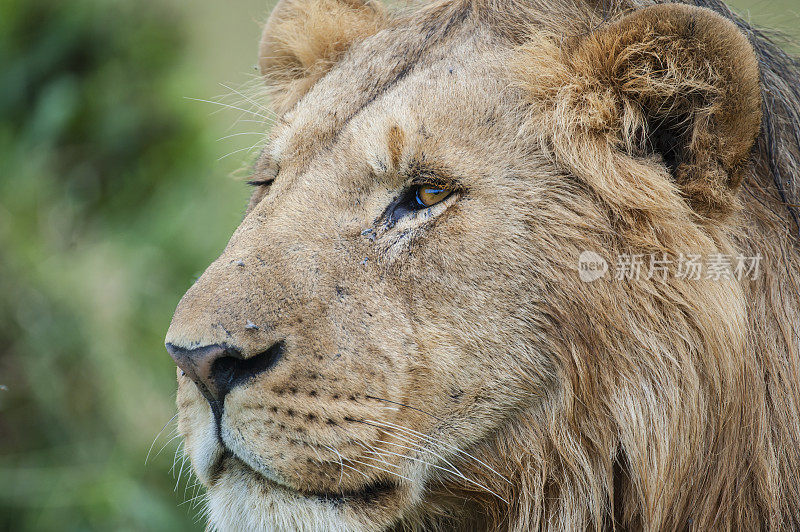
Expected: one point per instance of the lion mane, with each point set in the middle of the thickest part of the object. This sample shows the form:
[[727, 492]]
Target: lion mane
[[347, 365]]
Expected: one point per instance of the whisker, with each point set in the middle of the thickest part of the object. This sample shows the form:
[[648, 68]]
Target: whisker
[[357, 471], [416, 444], [172, 439], [180, 472], [403, 405], [454, 471], [381, 469], [341, 464], [258, 105], [451, 471], [319, 458], [433, 440], [251, 120], [190, 485], [418, 448], [175, 457], [222, 104], [425, 462], [240, 134], [385, 452], [197, 489], [452, 448], [204, 514], [389, 464], [248, 149], [157, 436], [190, 501]]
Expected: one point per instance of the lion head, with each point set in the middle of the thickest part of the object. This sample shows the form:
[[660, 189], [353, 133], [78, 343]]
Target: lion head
[[398, 335]]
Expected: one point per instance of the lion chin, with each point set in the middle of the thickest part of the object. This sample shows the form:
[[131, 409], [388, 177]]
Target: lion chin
[[243, 500], [465, 296]]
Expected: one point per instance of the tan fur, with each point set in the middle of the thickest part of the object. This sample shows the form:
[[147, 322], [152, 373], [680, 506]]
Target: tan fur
[[454, 357], [303, 39]]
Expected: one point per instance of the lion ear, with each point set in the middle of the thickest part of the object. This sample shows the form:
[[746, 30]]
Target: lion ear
[[303, 39], [673, 81], [694, 77]]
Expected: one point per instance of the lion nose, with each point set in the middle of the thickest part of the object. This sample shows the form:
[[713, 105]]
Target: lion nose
[[217, 369]]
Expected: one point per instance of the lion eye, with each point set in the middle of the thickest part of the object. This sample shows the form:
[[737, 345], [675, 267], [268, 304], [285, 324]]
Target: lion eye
[[417, 199], [428, 195]]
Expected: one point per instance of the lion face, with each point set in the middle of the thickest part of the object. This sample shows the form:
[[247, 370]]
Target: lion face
[[371, 326], [393, 303]]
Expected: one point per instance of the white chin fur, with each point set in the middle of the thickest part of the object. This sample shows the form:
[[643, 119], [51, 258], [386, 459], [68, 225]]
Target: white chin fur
[[205, 451], [238, 504]]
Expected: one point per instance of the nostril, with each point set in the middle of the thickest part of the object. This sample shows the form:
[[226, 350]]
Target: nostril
[[223, 372], [229, 372], [217, 369]]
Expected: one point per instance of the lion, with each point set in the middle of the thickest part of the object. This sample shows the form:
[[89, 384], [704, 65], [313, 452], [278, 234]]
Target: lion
[[400, 334]]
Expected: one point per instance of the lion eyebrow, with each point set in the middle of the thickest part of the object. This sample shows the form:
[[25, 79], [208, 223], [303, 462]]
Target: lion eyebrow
[[264, 159], [395, 141], [422, 171]]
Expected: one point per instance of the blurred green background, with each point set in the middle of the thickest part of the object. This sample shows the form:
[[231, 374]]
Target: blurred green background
[[116, 190]]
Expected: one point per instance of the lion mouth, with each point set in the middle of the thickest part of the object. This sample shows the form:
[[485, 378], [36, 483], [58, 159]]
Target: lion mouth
[[368, 493]]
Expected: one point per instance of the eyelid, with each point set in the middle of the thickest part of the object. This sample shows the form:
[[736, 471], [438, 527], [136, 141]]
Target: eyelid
[[271, 171], [261, 182], [436, 182]]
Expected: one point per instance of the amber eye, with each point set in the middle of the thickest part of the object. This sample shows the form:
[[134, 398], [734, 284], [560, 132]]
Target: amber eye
[[428, 195]]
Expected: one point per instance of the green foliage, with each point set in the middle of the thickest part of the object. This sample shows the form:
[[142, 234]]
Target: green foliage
[[107, 212]]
